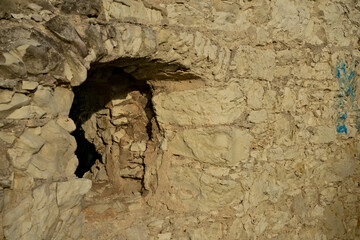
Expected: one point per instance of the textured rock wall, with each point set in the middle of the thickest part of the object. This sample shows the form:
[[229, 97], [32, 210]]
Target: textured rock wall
[[255, 101]]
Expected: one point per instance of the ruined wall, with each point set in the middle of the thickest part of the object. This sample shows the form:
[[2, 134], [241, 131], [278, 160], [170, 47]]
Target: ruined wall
[[254, 125]]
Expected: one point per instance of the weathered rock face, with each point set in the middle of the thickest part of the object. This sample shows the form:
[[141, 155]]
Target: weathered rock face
[[192, 119]]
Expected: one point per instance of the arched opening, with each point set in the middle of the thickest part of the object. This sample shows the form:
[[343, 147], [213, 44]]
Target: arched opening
[[114, 121], [119, 138]]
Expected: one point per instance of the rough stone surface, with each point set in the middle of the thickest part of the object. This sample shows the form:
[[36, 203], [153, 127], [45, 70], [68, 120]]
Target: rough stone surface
[[199, 119], [27, 85]]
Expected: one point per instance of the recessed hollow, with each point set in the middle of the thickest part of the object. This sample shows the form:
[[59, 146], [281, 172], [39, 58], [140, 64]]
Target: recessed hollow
[[113, 115]]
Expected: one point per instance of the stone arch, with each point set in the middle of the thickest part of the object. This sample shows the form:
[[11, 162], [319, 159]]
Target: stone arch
[[44, 65], [249, 147], [137, 49]]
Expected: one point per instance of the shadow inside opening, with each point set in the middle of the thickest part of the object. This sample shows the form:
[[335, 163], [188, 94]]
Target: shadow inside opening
[[104, 83]]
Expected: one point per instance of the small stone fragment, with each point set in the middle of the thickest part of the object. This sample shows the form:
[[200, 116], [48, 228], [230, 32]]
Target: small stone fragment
[[70, 190], [20, 159], [28, 85], [120, 121], [118, 135], [7, 83], [19, 16], [138, 147], [6, 96], [37, 17], [17, 101], [164, 236], [258, 116], [34, 7], [64, 99], [66, 123], [8, 137], [21, 113]]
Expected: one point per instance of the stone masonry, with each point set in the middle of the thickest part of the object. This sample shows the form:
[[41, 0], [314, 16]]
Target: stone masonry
[[205, 119]]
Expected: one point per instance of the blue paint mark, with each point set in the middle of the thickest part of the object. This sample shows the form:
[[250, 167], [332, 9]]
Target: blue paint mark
[[341, 128], [346, 94], [344, 116]]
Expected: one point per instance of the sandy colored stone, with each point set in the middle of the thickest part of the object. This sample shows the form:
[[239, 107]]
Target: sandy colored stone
[[54, 156], [258, 116], [43, 98], [6, 96], [137, 232], [255, 63], [121, 9], [164, 236], [324, 134], [214, 231], [17, 101], [64, 99], [68, 194], [7, 137], [26, 145], [289, 100], [17, 213], [27, 85], [255, 94], [232, 119], [138, 147], [74, 71], [120, 121], [118, 135], [199, 144], [208, 105], [66, 123]]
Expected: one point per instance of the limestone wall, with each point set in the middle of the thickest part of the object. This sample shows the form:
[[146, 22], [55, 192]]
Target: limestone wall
[[255, 125]]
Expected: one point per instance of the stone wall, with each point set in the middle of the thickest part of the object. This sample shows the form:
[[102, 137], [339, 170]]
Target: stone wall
[[248, 127]]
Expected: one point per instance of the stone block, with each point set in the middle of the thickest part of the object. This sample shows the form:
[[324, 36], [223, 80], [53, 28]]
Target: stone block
[[44, 98], [64, 98], [118, 135], [289, 100], [23, 181], [120, 121], [83, 7], [30, 142], [255, 93], [8, 137], [45, 212], [20, 158], [323, 134], [11, 66], [25, 146], [6, 96], [125, 8], [74, 70], [17, 101], [242, 141], [208, 106], [6, 169], [222, 148], [255, 63], [258, 116], [54, 157], [21, 113], [66, 123], [213, 231], [200, 144], [69, 193], [138, 147], [17, 219]]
